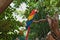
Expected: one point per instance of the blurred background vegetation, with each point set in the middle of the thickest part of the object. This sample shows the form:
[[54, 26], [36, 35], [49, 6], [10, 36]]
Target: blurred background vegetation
[[14, 18]]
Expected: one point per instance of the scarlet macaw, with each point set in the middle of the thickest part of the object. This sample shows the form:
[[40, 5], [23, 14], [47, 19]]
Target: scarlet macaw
[[29, 21], [30, 18]]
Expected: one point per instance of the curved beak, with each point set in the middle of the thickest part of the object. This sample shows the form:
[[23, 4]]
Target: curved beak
[[36, 10]]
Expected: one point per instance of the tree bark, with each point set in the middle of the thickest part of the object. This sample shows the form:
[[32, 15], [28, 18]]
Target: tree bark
[[4, 4], [54, 27]]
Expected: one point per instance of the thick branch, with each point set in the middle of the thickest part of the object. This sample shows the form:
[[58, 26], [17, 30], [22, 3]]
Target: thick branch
[[4, 4], [41, 20]]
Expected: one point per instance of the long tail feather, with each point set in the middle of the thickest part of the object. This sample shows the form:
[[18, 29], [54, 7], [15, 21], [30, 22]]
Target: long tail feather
[[27, 33]]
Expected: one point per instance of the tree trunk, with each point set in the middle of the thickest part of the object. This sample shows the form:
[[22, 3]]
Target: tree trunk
[[4, 4], [54, 26]]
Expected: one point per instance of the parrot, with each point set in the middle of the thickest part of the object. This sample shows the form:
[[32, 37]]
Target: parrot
[[29, 21], [30, 18]]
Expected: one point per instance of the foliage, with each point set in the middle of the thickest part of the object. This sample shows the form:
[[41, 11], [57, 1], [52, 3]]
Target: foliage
[[45, 7], [8, 24], [40, 29]]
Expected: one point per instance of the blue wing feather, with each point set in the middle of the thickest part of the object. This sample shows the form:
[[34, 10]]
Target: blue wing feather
[[28, 23]]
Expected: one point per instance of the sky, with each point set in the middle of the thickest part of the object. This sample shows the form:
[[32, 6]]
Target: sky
[[21, 8], [20, 18], [59, 17]]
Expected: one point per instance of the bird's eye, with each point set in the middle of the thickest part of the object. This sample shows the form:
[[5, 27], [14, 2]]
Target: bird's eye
[[36, 11]]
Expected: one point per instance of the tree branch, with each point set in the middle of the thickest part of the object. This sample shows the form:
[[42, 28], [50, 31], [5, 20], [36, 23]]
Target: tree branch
[[4, 4], [41, 20]]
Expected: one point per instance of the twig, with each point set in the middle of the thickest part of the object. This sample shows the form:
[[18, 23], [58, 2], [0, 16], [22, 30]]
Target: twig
[[41, 20]]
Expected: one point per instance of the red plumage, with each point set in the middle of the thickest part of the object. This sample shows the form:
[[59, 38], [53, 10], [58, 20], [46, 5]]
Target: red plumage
[[27, 33], [33, 12]]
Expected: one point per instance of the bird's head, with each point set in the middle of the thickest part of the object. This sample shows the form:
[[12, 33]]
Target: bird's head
[[36, 10]]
